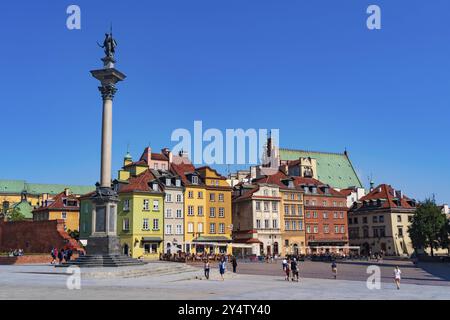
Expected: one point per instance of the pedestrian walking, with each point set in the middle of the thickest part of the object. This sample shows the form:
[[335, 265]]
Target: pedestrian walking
[[207, 268], [54, 254], [294, 268], [397, 277], [287, 272], [222, 268], [284, 263], [334, 269], [234, 263], [61, 256]]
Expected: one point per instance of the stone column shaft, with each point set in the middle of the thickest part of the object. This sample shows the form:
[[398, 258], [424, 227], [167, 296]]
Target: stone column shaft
[[105, 176]]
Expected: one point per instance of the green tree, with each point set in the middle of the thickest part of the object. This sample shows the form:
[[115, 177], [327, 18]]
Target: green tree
[[427, 227], [16, 215]]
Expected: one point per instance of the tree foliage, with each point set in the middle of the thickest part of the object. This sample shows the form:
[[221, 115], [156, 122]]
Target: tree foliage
[[429, 228]]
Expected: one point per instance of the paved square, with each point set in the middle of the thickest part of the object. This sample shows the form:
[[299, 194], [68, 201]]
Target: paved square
[[170, 281]]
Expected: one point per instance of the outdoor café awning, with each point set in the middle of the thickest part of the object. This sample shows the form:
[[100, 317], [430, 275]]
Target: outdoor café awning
[[211, 239]]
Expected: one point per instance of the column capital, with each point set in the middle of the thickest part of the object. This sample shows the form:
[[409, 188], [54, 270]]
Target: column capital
[[108, 91]]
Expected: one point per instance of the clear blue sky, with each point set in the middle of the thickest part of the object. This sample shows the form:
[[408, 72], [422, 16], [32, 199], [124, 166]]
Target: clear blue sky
[[310, 68]]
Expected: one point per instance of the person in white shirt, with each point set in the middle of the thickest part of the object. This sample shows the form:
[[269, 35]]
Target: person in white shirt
[[397, 276]]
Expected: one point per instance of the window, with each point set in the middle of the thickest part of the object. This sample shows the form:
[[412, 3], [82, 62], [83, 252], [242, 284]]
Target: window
[[221, 212], [341, 215], [258, 206], [325, 215], [410, 219], [365, 220], [190, 227], [275, 206], [179, 213], [308, 229], [155, 187], [300, 225], [64, 215], [145, 224], [316, 229], [155, 224], [308, 214], [286, 209], [275, 224], [200, 210], [191, 194], [168, 197], [212, 212], [355, 220], [200, 227], [221, 227], [155, 205], [267, 224], [266, 192], [155, 166], [293, 209], [381, 219], [324, 203], [126, 205], [221, 197], [382, 232], [179, 229], [342, 229], [375, 233], [326, 228], [400, 232], [190, 210], [375, 219], [258, 224], [335, 215], [315, 215], [336, 229], [292, 196], [194, 179], [168, 183], [200, 195], [163, 166], [150, 248], [179, 198], [126, 224], [168, 213], [168, 229], [146, 205], [212, 228], [178, 183], [294, 225], [266, 206], [286, 225], [313, 202], [274, 193], [399, 218], [365, 232], [334, 204], [212, 197]]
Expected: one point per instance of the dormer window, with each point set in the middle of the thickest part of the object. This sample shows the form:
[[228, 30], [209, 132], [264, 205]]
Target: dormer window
[[155, 187], [194, 180], [178, 183], [168, 182], [291, 184]]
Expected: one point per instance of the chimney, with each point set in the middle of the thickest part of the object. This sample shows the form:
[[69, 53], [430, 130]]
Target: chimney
[[371, 185], [147, 155], [66, 192], [253, 174]]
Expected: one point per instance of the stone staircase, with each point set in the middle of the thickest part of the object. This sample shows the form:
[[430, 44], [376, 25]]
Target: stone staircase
[[96, 261]]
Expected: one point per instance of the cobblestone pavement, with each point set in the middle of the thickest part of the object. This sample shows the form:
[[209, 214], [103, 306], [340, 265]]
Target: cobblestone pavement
[[435, 274], [46, 282]]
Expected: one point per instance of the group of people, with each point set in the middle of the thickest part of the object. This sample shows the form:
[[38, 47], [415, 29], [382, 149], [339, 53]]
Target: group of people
[[16, 253], [61, 255], [222, 267], [290, 266]]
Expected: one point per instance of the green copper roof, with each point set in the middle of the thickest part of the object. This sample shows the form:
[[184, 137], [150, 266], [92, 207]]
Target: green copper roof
[[17, 186], [334, 169], [24, 208]]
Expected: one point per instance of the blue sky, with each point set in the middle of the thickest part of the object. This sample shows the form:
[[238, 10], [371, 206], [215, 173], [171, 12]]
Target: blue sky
[[310, 68]]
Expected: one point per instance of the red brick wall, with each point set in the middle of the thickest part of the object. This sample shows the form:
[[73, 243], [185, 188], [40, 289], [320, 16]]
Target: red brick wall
[[34, 236], [330, 221], [30, 259]]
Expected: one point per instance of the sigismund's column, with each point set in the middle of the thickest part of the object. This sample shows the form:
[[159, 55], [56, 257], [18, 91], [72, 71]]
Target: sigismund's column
[[104, 239]]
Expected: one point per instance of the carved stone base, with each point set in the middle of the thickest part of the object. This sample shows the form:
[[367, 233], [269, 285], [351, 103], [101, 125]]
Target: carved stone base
[[109, 245]]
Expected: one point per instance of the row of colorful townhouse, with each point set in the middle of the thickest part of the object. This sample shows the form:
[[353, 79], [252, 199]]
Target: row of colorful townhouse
[[166, 205]]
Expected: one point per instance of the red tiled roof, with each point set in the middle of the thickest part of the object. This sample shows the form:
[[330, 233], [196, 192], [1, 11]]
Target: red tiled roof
[[384, 191], [137, 163], [346, 192], [182, 169], [247, 194], [57, 203], [139, 183], [159, 157]]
